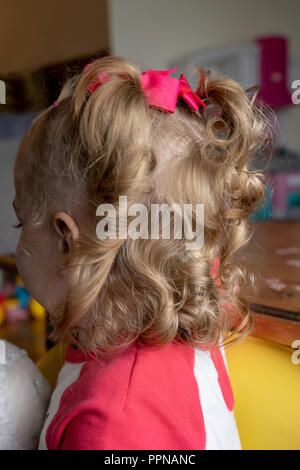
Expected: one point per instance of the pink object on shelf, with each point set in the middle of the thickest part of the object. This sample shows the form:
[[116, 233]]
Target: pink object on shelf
[[7, 289], [283, 184], [13, 315], [273, 71]]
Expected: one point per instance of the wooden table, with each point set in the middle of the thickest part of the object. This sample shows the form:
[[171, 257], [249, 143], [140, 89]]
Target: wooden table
[[274, 254]]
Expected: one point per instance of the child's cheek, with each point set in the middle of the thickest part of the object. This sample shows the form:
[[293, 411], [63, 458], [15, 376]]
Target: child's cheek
[[23, 261], [27, 265], [35, 258]]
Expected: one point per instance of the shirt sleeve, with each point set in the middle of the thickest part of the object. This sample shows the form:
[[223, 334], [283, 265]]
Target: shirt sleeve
[[148, 431], [85, 432]]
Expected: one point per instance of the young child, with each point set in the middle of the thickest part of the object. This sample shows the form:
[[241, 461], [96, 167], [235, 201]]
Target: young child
[[145, 316]]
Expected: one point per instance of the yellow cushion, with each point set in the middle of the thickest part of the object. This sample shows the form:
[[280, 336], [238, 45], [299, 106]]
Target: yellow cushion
[[51, 363], [266, 387]]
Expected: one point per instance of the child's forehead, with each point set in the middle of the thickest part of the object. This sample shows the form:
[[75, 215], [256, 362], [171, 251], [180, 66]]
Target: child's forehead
[[22, 161], [23, 155]]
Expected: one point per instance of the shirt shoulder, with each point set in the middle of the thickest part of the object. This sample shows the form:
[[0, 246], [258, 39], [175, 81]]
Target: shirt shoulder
[[141, 374], [146, 398]]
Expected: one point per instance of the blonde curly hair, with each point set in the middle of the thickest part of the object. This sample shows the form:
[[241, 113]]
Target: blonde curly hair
[[110, 143]]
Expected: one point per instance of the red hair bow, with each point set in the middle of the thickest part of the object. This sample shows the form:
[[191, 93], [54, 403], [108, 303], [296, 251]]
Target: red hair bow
[[160, 90], [163, 91]]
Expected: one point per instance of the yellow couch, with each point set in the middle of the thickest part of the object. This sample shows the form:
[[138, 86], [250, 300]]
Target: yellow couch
[[266, 387]]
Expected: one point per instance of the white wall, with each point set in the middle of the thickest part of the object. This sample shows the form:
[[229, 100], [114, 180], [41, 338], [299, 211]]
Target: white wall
[[153, 33]]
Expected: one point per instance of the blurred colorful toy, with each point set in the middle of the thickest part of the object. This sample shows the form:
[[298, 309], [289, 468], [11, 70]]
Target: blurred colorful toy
[[23, 296], [2, 316], [13, 312], [36, 310], [15, 301]]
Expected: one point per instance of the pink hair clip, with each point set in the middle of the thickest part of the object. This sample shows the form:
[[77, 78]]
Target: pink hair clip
[[160, 90], [102, 78], [55, 103]]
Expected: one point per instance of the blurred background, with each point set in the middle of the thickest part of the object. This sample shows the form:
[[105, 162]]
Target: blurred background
[[255, 42]]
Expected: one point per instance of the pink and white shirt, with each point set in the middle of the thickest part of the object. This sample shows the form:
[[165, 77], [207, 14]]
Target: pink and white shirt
[[174, 397]]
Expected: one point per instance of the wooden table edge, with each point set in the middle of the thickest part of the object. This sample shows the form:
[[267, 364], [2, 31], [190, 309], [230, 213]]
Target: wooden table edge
[[276, 329]]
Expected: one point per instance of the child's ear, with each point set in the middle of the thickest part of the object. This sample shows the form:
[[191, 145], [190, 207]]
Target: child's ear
[[67, 229]]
